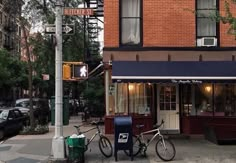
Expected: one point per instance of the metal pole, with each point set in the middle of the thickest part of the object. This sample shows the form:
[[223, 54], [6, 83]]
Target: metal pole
[[58, 148], [85, 49], [107, 91]]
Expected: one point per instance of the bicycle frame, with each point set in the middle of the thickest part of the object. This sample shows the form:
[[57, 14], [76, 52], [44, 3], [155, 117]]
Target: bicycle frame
[[98, 132], [141, 135]]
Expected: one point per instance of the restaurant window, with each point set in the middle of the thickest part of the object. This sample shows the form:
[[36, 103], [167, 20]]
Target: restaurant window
[[133, 99], [206, 27], [203, 100], [208, 100], [225, 104], [130, 22]]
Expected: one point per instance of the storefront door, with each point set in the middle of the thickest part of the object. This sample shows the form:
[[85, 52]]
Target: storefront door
[[168, 108]]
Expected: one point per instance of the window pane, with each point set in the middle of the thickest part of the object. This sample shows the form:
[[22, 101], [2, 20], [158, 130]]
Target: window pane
[[162, 106], [130, 31], [131, 8], [225, 99], [205, 27], [134, 98], [203, 99], [209, 4], [205, 13], [130, 22], [173, 106]]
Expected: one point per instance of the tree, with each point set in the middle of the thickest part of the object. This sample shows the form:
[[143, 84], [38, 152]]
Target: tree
[[41, 46], [12, 73]]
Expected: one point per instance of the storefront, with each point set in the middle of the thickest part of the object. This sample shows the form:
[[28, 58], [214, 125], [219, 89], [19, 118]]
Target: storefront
[[185, 94]]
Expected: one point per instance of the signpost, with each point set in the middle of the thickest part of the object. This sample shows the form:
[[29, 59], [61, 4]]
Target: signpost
[[68, 29], [77, 11], [58, 146]]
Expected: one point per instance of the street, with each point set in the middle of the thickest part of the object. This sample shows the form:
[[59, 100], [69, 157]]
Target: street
[[37, 148]]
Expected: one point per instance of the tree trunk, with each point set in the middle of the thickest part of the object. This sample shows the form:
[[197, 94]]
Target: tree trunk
[[27, 48]]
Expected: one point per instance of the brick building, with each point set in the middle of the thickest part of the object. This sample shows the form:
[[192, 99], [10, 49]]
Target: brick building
[[10, 30], [162, 61]]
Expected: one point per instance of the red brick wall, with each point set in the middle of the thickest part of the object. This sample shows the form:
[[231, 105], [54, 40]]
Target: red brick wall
[[165, 23], [111, 23], [226, 39]]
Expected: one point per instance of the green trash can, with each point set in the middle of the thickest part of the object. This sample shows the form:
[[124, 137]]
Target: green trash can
[[76, 148], [65, 110]]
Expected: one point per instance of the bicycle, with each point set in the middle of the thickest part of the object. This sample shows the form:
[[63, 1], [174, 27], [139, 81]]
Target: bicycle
[[103, 142], [165, 149]]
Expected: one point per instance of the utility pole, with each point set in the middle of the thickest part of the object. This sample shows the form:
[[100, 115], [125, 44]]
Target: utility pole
[[58, 147]]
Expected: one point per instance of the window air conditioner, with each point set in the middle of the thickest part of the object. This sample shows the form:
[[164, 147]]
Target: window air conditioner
[[208, 41]]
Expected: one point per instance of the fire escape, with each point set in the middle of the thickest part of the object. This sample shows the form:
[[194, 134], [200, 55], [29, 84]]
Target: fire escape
[[93, 27], [9, 29]]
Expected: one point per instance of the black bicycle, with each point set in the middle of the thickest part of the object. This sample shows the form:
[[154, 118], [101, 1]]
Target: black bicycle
[[103, 142], [165, 149]]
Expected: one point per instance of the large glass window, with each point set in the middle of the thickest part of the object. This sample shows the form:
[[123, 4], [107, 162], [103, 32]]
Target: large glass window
[[133, 98], [208, 100], [205, 25], [130, 22]]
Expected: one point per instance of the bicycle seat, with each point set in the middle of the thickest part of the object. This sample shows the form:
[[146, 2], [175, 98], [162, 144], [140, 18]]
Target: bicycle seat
[[158, 125], [78, 126], [94, 122], [140, 126]]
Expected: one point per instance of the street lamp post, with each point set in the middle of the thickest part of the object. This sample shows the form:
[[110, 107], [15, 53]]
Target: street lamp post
[[58, 147]]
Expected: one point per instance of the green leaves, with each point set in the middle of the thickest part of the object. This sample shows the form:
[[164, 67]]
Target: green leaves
[[12, 70]]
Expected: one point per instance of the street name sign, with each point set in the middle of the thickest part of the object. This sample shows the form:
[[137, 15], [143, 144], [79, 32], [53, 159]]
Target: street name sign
[[78, 11], [68, 29]]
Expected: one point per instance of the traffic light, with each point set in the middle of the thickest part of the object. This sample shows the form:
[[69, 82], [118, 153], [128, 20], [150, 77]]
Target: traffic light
[[66, 72], [74, 71], [80, 71]]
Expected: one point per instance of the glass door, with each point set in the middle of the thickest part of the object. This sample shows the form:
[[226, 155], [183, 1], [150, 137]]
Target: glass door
[[168, 109]]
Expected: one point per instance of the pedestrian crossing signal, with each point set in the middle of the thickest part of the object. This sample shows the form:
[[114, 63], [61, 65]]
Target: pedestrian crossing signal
[[74, 71], [80, 71]]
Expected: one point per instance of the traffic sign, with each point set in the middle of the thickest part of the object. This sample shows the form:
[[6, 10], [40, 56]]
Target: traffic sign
[[78, 11], [68, 29]]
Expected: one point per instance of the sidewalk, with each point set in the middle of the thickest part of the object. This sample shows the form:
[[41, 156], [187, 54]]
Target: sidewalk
[[37, 148]]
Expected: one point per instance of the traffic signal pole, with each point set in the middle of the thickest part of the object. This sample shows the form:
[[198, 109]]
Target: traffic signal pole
[[58, 148]]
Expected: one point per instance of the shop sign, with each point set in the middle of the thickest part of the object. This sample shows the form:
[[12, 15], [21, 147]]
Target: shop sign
[[186, 81]]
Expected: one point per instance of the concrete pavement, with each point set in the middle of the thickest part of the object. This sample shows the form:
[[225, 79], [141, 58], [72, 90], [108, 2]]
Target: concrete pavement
[[37, 148]]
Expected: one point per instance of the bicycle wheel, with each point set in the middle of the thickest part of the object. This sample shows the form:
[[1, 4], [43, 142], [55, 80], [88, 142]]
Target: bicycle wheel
[[166, 153], [136, 146], [105, 146]]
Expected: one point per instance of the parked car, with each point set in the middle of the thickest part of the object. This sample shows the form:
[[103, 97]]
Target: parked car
[[12, 121], [41, 108]]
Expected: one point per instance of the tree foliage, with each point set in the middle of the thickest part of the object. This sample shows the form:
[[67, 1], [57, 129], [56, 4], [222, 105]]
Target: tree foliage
[[38, 13], [12, 71]]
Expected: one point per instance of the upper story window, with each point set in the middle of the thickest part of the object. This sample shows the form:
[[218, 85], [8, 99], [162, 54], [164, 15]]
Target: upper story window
[[206, 27], [130, 22]]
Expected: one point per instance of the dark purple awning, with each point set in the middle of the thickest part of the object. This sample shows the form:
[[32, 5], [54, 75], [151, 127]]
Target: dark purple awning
[[174, 71]]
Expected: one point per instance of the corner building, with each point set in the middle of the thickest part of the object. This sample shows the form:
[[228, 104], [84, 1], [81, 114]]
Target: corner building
[[162, 61]]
